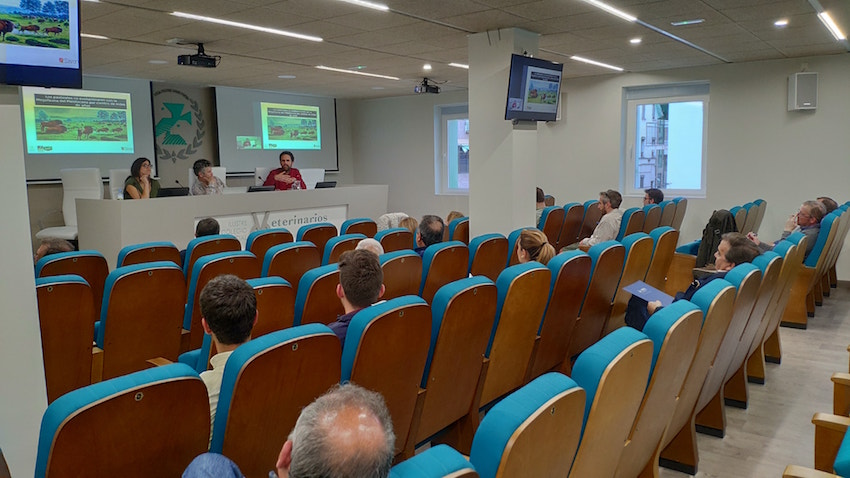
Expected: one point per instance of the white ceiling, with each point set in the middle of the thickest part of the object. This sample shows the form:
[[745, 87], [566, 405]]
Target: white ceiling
[[415, 32]]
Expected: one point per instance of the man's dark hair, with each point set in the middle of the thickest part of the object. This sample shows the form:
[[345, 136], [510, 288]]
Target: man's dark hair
[[741, 249], [229, 306], [540, 196], [361, 277], [200, 165], [431, 229], [611, 197], [655, 195], [828, 203], [206, 227], [290, 153]]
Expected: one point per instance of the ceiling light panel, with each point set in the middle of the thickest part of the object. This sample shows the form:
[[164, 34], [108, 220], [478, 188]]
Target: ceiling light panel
[[246, 26]]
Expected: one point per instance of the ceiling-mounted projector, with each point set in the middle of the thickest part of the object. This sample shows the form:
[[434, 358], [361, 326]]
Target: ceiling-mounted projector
[[426, 87], [200, 59]]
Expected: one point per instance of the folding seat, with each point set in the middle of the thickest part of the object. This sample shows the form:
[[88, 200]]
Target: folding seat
[[832, 449], [441, 461], [148, 252], [385, 350], [752, 216], [339, 244], [573, 217], [606, 267], [551, 223], [443, 263], [679, 217], [664, 240], [632, 222], [674, 331], [679, 446], [735, 388], [614, 373], [532, 432], [259, 242], [206, 245], [242, 264], [359, 225], [318, 234], [488, 254], [65, 320], [148, 423], [459, 230], [267, 382], [513, 239], [275, 305], [315, 299], [570, 275], [668, 210], [652, 217], [461, 320], [762, 208], [90, 265], [592, 215], [290, 261], [140, 318], [402, 273], [638, 255], [395, 239]]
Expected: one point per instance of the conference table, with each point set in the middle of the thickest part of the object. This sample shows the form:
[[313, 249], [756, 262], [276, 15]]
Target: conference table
[[107, 225]]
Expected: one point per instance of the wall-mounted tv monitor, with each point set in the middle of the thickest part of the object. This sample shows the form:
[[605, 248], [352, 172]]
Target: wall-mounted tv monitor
[[533, 89], [40, 43]]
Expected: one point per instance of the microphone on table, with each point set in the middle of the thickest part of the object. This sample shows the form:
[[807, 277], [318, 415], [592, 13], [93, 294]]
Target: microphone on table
[[178, 183]]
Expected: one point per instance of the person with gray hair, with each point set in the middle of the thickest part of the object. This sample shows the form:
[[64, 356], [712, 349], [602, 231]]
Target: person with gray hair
[[345, 433], [370, 244], [206, 182], [806, 220], [430, 232]]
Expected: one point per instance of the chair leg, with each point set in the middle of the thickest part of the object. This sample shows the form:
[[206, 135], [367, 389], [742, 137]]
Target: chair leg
[[735, 390], [711, 420], [817, 293], [824, 284], [755, 366], [833, 277], [681, 453]]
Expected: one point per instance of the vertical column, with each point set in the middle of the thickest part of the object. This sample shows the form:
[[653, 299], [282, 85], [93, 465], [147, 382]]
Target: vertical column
[[502, 156], [22, 394]]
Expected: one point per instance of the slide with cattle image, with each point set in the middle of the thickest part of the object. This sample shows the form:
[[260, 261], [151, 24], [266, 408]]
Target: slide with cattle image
[[290, 126], [34, 23]]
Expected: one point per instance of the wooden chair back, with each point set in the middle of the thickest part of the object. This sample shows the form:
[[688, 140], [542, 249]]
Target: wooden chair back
[[206, 245], [752, 217], [459, 230], [801, 302], [570, 275], [259, 242], [290, 261], [266, 385], [513, 240], [740, 217], [638, 255], [664, 247], [606, 267], [396, 239], [652, 217], [523, 292], [135, 328], [65, 320], [402, 273], [90, 265], [318, 234], [385, 350], [149, 252], [633, 224], [592, 215], [668, 211], [762, 208], [488, 255], [679, 217], [674, 332], [152, 422], [362, 225], [611, 410], [316, 301], [443, 263], [573, 218], [336, 246], [275, 305], [462, 317], [553, 222]]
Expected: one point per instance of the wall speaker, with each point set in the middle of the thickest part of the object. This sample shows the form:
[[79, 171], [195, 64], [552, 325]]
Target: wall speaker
[[803, 91]]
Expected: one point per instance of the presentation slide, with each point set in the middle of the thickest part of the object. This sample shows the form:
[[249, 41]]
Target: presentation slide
[[290, 126], [39, 33], [77, 121], [541, 90]]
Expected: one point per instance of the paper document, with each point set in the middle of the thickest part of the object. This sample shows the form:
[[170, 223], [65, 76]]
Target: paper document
[[648, 293]]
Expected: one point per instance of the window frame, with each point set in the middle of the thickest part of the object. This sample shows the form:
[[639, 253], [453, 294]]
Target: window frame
[[442, 115]]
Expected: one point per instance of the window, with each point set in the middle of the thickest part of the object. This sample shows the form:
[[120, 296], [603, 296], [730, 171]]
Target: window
[[664, 139], [451, 161]]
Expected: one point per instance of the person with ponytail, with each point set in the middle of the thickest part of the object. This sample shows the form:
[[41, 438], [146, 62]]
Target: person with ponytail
[[534, 246]]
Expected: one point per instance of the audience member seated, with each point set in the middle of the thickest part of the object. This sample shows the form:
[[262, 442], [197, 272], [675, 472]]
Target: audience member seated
[[285, 176], [534, 246], [370, 244], [541, 204], [139, 184], [452, 216], [361, 284], [228, 313], [653, 196], [344, 433], [828, 203], [409, 223], [206, 183], [51, 245], [390, 220], [609, 225], [735, 248], [212, 465], [206, 227], [806, 220], [430, 232]]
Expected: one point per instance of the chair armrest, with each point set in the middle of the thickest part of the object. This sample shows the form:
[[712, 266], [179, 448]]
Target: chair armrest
[[841, 394], [159, 361], [829, 432], [794, 471]]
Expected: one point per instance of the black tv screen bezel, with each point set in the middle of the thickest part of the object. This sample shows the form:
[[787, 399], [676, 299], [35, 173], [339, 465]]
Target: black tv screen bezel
[[515, 76]]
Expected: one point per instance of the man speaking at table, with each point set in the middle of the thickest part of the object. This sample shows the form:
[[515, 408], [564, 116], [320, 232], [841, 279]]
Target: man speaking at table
[[286, 177]]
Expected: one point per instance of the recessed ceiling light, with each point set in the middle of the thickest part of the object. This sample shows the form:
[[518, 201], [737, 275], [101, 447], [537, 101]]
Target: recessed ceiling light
[[597, 63], [96, 37], [340, 70], [158, 62], [372, 5], [781, 23], [687, 22], [426, 67], [832, 26], [635, 41], [286, 77], [459, 65], [612, 10], [247, 26], [378, 88]]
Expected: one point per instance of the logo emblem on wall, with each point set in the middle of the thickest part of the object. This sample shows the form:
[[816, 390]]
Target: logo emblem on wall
[[180, 128]]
